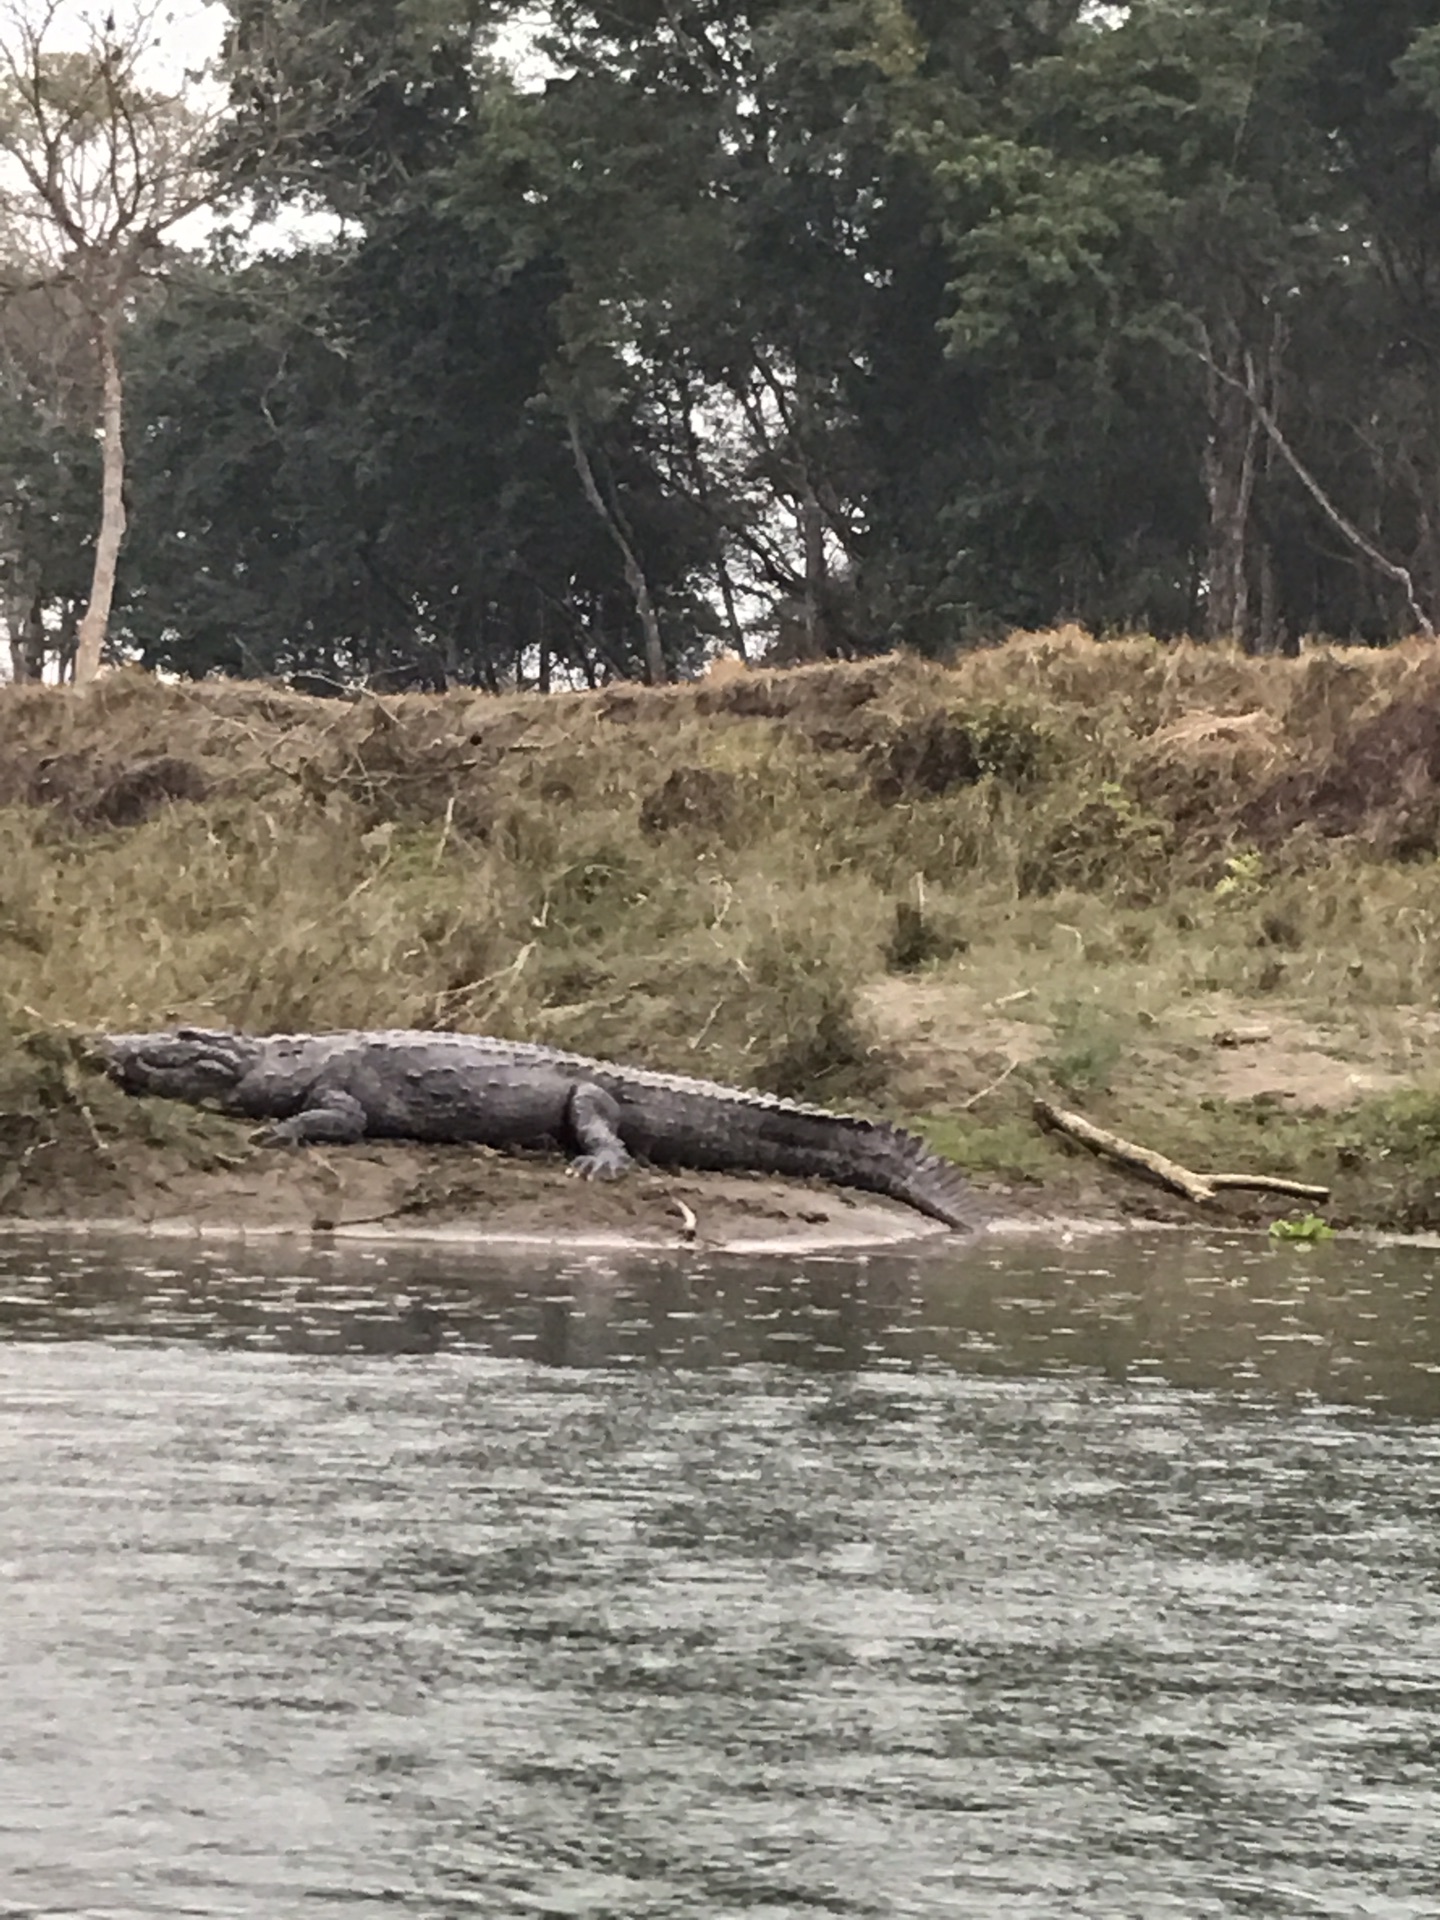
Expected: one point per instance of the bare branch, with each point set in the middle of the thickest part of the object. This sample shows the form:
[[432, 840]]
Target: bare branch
[[1392, 569], [614, 522]]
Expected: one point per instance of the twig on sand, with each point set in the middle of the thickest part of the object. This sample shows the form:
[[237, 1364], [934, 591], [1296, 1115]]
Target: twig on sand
[[444, 834], [1240, 1037], [976, 1098], [326, 1221], [1199, 1187], [15, 1172]]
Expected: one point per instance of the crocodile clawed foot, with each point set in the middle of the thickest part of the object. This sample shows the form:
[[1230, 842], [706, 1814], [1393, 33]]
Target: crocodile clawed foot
[[597, 1166]]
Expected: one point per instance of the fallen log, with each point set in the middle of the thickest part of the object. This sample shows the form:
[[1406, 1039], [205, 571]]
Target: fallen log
[[1199, 1187]]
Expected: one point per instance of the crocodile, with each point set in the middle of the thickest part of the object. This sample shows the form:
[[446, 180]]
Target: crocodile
[[337, 1088]]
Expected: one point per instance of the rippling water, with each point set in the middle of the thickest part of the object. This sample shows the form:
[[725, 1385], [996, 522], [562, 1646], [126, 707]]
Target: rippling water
[[1101, 1581]]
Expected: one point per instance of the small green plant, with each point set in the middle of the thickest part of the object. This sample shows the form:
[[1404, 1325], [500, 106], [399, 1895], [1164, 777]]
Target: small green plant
[[1309, 1230], [1102, 840], [1244, 877], [1089, 1047]]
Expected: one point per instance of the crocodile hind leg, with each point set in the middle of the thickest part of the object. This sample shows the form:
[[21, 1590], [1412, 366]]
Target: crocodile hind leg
[[595, 1121]]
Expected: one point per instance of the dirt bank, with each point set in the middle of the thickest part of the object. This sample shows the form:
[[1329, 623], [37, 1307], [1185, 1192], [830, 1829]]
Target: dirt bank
[[1189, 893], [371, 1192]]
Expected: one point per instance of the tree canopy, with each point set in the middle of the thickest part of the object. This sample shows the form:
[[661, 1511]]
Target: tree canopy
[[826, 324]]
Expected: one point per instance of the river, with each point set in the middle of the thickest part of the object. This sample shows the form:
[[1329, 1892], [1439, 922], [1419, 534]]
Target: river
[[1023, 1580]]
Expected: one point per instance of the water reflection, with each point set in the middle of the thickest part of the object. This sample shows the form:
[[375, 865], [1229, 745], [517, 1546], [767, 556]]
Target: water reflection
[[1348, 1324], [1040, 1583]]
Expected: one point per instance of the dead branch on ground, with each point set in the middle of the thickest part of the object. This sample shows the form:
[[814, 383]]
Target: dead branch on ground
[[1199, 1187]]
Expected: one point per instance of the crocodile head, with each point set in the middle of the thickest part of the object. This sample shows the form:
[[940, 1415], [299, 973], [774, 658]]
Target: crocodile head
[[188, 1063]]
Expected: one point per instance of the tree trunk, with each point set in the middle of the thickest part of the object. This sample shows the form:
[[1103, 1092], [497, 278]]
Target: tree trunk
[[732, 617], [812, 533], [542, 644], [1229, 486], [655, 673], [65, 641], [1268, 637], [700, 480], [25, 619], [91, 637]]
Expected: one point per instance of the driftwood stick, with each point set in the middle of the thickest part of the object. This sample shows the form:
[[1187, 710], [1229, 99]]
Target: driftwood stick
[[1270, 1183], [1199, 1187], [1168, 1172]]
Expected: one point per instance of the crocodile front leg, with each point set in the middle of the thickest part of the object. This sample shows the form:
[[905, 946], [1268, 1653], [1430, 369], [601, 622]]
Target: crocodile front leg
[[335, 1119], [594, 1119]]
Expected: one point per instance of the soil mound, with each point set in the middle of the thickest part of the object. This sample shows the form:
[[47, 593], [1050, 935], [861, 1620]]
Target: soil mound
[[1380, 784], [703, 800], [93, 790]]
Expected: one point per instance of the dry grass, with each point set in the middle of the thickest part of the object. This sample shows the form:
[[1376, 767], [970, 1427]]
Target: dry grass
[[711, 877], [636, 866]]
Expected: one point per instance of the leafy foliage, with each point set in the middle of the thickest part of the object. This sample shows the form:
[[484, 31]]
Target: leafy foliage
[[841, 323], [1303, 1230]]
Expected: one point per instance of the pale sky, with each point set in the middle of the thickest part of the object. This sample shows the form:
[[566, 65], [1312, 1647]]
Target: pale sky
[[187, 37], [187, 32]]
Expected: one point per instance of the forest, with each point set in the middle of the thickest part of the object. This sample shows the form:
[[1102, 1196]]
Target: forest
[[524, 347]]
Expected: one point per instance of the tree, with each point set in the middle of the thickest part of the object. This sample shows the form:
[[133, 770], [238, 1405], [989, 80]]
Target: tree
[[1197, 245], [49, 473], [892, 320], [1126, 236], [735, 218], [442, 528], [100, 168]]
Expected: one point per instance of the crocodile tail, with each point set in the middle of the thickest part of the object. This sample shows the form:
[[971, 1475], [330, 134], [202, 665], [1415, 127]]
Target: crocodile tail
[[912, 1172]]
